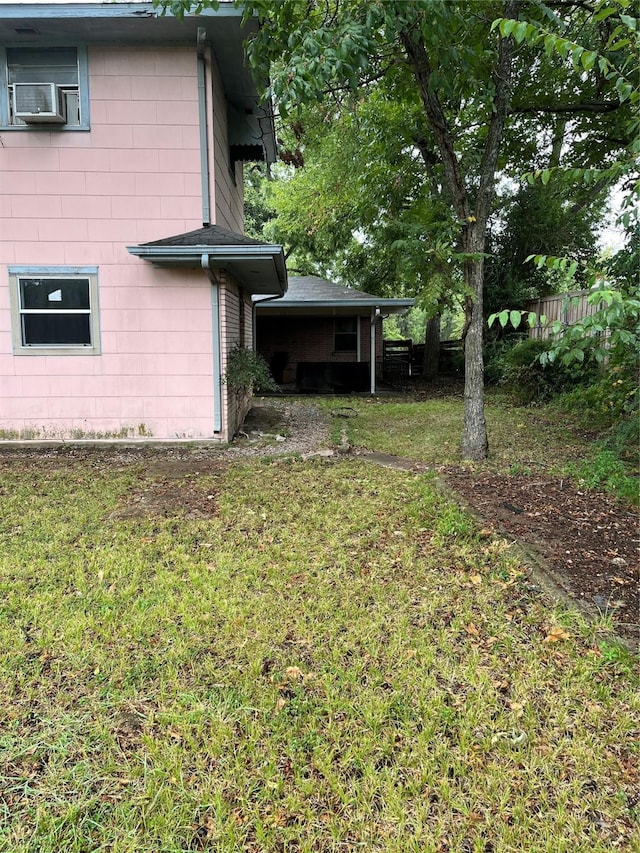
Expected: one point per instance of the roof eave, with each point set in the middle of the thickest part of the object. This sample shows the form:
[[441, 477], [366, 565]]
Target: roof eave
[[383, 304], [269, 277]]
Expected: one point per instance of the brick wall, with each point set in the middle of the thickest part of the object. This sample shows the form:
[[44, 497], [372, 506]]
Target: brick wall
[[310, 339]]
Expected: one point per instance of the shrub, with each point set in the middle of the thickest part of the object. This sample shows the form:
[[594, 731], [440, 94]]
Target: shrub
[[611, 404], [247, 371], [495, 350], [529, 380]]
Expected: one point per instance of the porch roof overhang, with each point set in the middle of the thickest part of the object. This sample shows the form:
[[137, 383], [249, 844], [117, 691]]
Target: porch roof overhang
[[323, 309], [259, 267]]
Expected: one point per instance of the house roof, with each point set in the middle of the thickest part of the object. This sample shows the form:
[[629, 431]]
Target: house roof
[[53, 24], [312, 294], [259, 267]]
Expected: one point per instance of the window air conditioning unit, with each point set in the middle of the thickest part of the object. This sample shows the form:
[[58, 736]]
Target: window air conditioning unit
[[38, 103]]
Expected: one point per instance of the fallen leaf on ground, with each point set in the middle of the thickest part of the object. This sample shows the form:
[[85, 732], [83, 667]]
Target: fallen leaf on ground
[[293, 673], [555, 634]]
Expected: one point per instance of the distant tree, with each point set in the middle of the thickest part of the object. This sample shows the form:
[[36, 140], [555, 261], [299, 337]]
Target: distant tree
[[258, 209], [537, 219]]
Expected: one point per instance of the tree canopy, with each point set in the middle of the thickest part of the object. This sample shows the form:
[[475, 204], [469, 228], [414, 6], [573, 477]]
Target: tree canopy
[[456, 95]]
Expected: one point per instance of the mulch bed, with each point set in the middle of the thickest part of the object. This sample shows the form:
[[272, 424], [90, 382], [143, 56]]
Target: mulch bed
[[588, 542]]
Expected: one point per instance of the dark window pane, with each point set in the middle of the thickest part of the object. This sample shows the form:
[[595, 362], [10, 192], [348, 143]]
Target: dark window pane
[[54, 329], [346, 324], [346, 343], [54, 294], [346, 334], [43, 65]]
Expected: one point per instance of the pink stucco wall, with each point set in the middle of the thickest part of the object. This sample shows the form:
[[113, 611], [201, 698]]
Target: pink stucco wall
[[227, 181], [79, 198]]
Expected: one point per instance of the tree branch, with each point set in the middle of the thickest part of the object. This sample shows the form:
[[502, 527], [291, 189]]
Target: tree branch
[[416, 52], [498, 118]]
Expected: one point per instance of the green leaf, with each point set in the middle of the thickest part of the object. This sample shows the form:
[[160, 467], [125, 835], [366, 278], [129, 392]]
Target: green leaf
[[576, 53], [516, 318], [623, 89], [503, 317], [520, 31], [606, 12]]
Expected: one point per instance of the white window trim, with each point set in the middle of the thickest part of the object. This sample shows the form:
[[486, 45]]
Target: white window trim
[[83, 95], [90, 273]]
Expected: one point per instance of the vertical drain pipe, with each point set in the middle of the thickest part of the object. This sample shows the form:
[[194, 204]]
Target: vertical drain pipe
[[372, 349], [206, 220], [215, 328], [204, 139]]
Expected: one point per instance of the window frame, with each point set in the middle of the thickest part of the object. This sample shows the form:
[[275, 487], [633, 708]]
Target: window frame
[[16, 273], [83, 93], [355, 333]]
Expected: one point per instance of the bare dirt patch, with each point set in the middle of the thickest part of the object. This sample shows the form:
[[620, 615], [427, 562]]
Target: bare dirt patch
[[171, 489], [588, 541]]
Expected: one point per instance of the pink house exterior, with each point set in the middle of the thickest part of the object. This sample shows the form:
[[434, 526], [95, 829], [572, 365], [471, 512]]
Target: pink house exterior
[[124, 276]]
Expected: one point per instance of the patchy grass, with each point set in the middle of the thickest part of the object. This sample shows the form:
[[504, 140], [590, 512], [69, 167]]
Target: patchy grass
[[326, 657], [520, 439]]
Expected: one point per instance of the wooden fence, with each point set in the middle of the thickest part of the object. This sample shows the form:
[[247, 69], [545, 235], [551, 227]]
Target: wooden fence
[[568, 308]]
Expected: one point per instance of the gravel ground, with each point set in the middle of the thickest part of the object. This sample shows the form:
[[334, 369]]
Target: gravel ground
[[279, 427]]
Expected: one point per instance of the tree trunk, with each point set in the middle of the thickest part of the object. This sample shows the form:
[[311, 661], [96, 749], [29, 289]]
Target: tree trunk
[[475, 444], [430, 363], [558, 139]]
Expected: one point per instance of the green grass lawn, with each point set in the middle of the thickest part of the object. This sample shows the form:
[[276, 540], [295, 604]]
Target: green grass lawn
[[327, 657], [431, 430], [521, 439]]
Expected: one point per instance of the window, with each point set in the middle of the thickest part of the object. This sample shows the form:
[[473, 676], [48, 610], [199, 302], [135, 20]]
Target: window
[[346, 334], [44, 87], [54, 311]]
